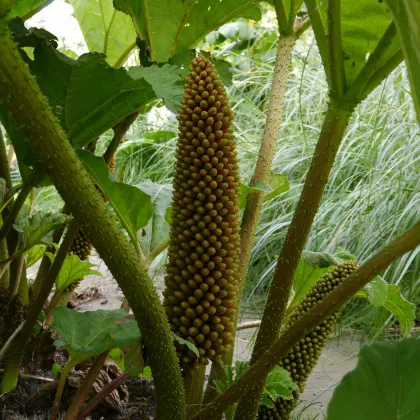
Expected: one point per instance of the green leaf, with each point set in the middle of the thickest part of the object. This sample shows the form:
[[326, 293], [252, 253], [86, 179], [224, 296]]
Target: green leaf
[[117, 355], [406, 14], [157, 229], [187, 343], [133, 363], [381, 293], [73, 269], [344, 254], [55, 370], [133, 207], [279, 184], [224, 70], [168, 215], [383, 386], [244, 190], [305, 277], [278, 384], [324, 259], [105, 29], [87, 95], [173, 26], [363, 23], [88, 334], [231, 376], [401, 308], [312, 266], [27, 8], [37, 229], [377, 291], [167, 81], [147, 372], [34, 254], [22, 147]]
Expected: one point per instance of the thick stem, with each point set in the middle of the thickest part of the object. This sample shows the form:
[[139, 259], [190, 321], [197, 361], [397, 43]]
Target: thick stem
[[31, 111], [281, 16], [12, 237], [330, 304], [45, 264], [4, 163], [60, 389], [84, 389], [255, 200], [10, 341], [194, 385], [338, 76], [335, 123], [372, 64], [14, 357], [17, 276], [97, 399], [4, 274], [4, 255], [320, 31], [119, 132], [382, 73], [301, 26], [10, 154]]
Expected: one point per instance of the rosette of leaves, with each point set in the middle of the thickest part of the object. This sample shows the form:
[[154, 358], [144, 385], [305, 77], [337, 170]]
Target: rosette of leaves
[[204, 236]]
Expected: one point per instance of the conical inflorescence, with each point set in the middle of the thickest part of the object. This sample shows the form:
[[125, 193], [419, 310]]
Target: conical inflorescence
[[301, 360], [204, 236]]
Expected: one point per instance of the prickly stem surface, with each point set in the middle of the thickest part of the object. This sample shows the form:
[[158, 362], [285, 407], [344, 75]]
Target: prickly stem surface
[[302, 358], [335, 123], [30, 109]]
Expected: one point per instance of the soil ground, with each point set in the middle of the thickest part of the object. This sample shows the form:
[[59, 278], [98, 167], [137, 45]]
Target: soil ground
[[338, 357]]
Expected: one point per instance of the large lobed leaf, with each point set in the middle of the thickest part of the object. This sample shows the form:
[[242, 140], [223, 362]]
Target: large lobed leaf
[[27, 8], [383, 386], [34, 254], [133, 206], [279, 384], [363, 25], [87, 95], [73, 269], [87, 334], [364, 22], [37, 228], [105, 29], [167, 82], [380, 293], [173, 25]]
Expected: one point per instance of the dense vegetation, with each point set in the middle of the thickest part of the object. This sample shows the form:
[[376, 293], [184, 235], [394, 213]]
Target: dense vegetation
[[295, 192]]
